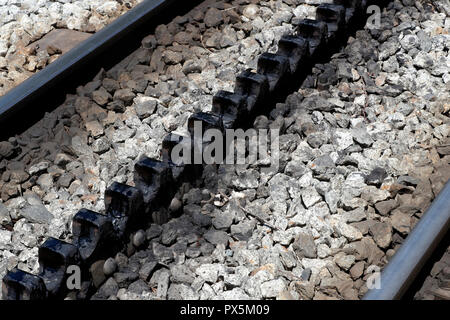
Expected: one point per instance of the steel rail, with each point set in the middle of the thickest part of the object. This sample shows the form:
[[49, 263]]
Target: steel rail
[[19, 102], [406, 264]]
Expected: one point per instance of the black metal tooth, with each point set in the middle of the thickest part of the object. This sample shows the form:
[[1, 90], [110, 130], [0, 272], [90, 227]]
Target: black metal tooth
[[294, 48], [207, 120], [274, 67], [150, 176], [54, 258], [168, 143], [333, 15], [253, 86], [123, 203], [91, 231], [21, 285], [315, 32], [231, 107]]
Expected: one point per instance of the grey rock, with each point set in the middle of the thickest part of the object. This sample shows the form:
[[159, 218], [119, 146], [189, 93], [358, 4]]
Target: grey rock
[[169, 234], [306, 274], [376, 176], [216, 237], [37, 213], [121, 260], [355, 215], [101, 145], [201, 219], [97, 274], [193, 252], [181, 274], [317, 139], [317, 103], [123, 279], [344, 261], [39, 167], [154, 231], [162, 253], [147, 269], [408, 181], [45, 181], [191, 66], [109, 288], [388, 48], [401, 222], [323, 165], [223, 220], [381, 233], [80, 146], [423, 60], [304, 246], [123, 134], [66, 179], [288, 259], [139, 238], [295, 168], [385, 207], [310, 197], [206, 248], [109, 267], [213, 17], [243, 230], [361, 136], [175, 205], [163, 284], [125, 95], [138, 287]]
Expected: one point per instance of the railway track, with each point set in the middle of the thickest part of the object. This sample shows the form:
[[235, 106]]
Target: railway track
[[157, 183]]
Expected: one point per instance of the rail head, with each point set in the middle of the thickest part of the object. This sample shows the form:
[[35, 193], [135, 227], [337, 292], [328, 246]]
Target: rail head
[[27, 96], [405, 265]]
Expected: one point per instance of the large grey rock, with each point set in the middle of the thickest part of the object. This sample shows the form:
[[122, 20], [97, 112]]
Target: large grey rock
[[182, 274], [109, 288], [147, 269], [37, 213], [145, 106], [216, 237], [381, 233], [310, 197], [109, 267], [243, 230], [304, 246]]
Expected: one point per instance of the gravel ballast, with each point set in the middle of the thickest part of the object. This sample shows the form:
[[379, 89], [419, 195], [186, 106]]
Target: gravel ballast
[[364, 150]]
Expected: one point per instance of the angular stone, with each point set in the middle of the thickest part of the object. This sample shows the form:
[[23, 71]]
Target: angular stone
[[216, 237], [37, 213], [304, 246], [382, 233], [310, 197], [401, 222]]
